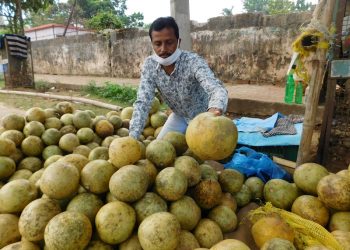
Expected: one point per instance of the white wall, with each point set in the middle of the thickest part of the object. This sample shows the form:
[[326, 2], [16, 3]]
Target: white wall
[[52, 32]]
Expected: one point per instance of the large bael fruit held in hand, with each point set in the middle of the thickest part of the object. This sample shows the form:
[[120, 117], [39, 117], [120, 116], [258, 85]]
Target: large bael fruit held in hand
[[211, 137]]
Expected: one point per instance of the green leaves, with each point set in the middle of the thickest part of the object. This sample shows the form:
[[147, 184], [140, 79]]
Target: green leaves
[[273, 7], [112, 91], [12, 10], [227, 11], [256, 5], [95, 14], [280, 7], [104, 20]]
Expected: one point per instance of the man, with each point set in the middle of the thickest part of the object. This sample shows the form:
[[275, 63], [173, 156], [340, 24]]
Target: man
[[183, 79]]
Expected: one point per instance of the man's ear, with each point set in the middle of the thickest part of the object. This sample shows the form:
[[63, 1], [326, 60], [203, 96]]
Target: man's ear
[[179, 42]]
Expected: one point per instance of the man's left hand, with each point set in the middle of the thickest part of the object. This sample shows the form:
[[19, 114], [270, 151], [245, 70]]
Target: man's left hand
[[215, 111]]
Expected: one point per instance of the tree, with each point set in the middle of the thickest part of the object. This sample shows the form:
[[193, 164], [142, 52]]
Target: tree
[[273, 7], [256, 5], [133, 21], [105, 20], [12, 10], [117, 7], [57, 12], [227, 11], [280, 7], [301, 5], [71, 12], [84, 11]]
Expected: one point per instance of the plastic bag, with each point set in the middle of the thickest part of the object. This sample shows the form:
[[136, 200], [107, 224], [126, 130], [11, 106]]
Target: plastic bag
[[252, 163]]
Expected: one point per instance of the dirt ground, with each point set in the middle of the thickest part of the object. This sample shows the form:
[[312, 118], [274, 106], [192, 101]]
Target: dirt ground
[[267, 93], [5, 110]]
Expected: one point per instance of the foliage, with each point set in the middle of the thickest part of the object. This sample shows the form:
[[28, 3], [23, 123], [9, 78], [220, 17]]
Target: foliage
[[41, 86], [113, 91], [279, 7], [84, 11], [301, 5], [5, 31], [273, 7], [12, 11], [146, 26], [55, 13], [2, 81], [132, 21], [92, 7], [227, 11], [104, 20], [256, 5]]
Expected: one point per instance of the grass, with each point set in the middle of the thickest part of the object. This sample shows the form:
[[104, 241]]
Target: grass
[[112, 93], [116, 93], [41, 86], [27, 102], [2, 81]]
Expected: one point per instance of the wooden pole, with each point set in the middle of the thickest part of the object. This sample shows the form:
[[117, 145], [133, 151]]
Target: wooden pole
[[323, 13], [323, 146]]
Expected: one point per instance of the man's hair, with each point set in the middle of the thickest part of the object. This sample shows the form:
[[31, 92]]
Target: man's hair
[[164, 22]]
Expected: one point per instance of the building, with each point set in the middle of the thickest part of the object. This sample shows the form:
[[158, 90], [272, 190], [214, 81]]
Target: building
[[52, 30]]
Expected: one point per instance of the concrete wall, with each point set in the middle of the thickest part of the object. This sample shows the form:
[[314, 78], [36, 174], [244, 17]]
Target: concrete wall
[[248, 48], [129, 48], [87, 54]]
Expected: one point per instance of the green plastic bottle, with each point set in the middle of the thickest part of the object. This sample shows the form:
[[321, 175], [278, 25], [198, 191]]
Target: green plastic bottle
[[290, 86], [299, 93]]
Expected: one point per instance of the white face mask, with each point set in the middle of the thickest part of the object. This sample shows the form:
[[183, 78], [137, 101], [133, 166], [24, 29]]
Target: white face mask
[[170, 59]]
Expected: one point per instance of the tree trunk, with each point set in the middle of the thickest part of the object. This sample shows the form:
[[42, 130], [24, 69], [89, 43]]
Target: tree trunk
[[18, 18], [70, 17], [15, 23]]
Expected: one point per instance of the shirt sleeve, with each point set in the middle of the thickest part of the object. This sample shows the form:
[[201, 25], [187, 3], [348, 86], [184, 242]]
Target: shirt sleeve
[[142, 105], [217, 93]]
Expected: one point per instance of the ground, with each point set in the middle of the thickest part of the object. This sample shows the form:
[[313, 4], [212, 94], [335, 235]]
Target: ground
[[5, 110], [268, 93]]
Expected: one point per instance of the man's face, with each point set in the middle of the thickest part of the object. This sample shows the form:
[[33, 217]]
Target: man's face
[[164, 42]]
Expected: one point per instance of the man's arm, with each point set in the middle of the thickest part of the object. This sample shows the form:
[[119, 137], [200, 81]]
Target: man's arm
[[217, 93], [142, 105]]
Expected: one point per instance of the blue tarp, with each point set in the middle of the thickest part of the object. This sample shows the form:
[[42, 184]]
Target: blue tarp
[[257, 139], [249, 132], [248, 124]]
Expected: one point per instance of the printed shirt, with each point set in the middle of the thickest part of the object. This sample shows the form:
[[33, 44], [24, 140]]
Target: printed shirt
[[189, 90]]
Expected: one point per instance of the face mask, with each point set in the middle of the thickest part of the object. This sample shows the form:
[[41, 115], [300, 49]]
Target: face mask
[[170, 59]]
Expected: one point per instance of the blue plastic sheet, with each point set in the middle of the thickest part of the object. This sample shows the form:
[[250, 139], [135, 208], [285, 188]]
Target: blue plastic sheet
[[252, 163], [258, 140], [249, 124]]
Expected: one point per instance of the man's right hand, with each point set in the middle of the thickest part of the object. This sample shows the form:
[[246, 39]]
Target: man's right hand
[[215, 111]]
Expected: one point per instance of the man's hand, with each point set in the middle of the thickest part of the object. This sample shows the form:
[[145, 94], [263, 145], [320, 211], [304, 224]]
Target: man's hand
[[215, 111]]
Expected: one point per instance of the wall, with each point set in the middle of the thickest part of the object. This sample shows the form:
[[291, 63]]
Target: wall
[[53, 31], [249, 48], [87, 54], [129, 48]]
